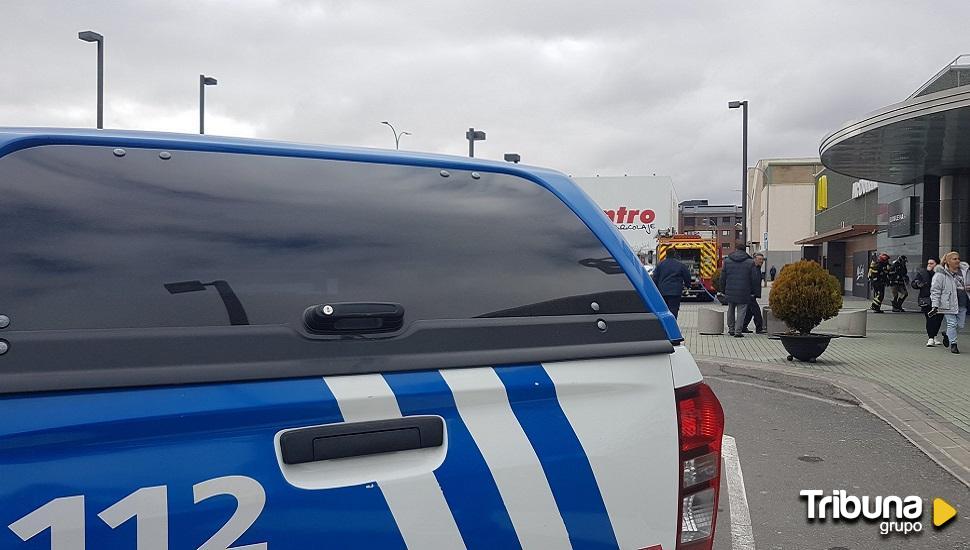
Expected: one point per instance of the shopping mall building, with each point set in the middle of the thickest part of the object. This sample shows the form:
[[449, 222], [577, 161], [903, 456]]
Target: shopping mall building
[[918, 151]]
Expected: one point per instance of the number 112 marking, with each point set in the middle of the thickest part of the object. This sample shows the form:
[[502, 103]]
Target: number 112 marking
[[149, 506]]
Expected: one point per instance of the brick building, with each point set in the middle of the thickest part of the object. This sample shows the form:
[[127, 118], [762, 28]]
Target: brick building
[[723, 221]]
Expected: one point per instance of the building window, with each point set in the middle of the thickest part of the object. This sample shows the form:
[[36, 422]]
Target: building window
[[725, 245], [726, 219], [738, 220], [689, 222], [725, 233]]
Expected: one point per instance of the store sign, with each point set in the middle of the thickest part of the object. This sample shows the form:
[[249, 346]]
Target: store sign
[[860, 269], [902, 221], [863, 187]]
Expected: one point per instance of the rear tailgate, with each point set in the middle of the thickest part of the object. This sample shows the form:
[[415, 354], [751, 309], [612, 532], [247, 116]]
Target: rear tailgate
[[535, 455], [155, 420]]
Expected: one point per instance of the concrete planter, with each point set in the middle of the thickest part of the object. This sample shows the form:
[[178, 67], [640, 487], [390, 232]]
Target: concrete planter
[[710, 321], [773, 324], [850, 323]]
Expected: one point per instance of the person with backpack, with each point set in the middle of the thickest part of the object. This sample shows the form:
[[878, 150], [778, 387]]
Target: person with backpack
[[898, 279], [878, 277]]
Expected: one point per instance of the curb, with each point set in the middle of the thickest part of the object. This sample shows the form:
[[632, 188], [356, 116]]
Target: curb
[[941, 443]]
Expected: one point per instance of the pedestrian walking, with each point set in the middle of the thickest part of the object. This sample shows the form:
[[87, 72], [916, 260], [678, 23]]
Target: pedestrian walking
[[753, 311], [898, 279], [922, 282], [772, 272], [878, 277], [948, 297], [671, 277], [739, 280]]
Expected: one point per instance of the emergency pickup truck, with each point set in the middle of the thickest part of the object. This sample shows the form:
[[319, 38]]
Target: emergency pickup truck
[[221, 343]]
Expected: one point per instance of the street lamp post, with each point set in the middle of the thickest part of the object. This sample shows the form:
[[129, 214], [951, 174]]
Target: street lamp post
[[397, 136], [203, 82], [744, 166], [473, 135], [91, 36]]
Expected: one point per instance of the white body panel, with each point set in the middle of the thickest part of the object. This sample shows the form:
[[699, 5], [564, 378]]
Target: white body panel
[[621, 413]]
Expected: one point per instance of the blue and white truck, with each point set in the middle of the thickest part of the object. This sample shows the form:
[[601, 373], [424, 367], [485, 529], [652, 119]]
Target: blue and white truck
[[214, 343]]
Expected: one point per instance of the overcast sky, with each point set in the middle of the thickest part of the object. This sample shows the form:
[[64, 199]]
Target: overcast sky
[[607, 87]]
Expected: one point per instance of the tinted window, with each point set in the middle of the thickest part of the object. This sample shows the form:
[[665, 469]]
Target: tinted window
[[91, 240]]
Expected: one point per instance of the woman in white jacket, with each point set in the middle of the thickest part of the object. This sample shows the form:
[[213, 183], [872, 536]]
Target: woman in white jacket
[[948, 296]]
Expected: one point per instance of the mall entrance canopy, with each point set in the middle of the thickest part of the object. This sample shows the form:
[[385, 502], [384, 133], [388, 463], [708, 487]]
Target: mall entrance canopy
[[928, 134]]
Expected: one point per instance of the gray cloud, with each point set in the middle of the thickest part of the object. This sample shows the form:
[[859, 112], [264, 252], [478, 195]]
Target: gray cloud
[[615, 87]]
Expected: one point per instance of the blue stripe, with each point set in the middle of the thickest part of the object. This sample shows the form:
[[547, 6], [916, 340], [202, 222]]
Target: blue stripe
[[535, 404], [464, 477]]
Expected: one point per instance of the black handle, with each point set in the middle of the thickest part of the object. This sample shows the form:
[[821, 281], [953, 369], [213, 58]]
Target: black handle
[[354, 318], [361, 439]]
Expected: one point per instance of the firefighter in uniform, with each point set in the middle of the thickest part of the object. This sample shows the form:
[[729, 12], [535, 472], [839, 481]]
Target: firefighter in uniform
[[898, 279], [878, 277]]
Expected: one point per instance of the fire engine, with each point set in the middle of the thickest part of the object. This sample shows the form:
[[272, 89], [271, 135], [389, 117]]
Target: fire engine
[[701, 255]]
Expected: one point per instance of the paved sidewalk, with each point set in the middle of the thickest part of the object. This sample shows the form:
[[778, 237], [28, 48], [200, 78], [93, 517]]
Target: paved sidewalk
[[923, 392]]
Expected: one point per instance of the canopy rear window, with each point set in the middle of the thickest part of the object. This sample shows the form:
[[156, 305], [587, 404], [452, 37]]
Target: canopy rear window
[[96, 240]]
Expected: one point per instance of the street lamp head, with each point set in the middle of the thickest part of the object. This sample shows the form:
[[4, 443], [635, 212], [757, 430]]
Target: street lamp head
[[385, 122], [736, 104], [406, 134], [513, 157], [208, 80], [90, 36]]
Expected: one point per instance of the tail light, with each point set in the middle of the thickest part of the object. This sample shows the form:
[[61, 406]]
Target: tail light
[[701, 422]]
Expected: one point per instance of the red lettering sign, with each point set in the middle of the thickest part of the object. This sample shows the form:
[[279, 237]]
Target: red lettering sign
[[631, 215]]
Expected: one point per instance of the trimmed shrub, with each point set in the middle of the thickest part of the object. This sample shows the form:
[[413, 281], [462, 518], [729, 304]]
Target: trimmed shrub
[[804, 294]]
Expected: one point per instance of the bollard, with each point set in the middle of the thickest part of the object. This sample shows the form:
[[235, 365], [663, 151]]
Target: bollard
[[710, 321], [853, 323], [773, 324]]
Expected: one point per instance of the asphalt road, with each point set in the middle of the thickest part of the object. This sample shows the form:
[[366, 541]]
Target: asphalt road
[[794, 434]]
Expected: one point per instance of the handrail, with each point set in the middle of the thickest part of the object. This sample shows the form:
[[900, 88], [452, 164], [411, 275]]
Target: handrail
[[941, 72]]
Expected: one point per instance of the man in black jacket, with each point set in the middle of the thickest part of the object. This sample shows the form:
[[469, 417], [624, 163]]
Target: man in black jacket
[[739, 280], [671, 276], [754, 309]]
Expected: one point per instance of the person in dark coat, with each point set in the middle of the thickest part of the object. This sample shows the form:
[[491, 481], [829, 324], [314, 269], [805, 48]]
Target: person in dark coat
[[671, 277], [922, 283], [739, 280], [753, 311], [773, 272]]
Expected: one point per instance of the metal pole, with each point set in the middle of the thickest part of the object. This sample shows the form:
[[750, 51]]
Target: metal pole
[[744, 175], [471, 142], [101, 83], [397, 137], [201, 104]]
